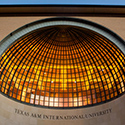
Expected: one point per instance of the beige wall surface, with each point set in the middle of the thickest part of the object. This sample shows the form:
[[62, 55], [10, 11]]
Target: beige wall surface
[[15, 113], [9, 24]]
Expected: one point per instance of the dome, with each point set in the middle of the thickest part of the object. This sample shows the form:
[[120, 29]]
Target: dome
[[62, 66]]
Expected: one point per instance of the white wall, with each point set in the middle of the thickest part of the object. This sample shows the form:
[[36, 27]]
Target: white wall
[[15, 113]]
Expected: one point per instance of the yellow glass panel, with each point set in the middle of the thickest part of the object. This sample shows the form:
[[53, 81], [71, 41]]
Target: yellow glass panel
[[68, 67]]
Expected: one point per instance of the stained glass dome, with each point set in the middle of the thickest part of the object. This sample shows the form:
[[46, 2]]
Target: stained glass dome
[[62, 66]]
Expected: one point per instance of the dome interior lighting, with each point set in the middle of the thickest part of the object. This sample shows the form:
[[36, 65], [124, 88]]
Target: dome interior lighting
[[62, 67]]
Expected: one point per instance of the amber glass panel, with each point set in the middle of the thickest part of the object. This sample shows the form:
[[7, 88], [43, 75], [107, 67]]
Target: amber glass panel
[[62, 66]]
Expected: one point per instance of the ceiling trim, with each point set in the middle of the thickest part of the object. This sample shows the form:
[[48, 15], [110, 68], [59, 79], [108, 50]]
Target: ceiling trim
[[62, 10]]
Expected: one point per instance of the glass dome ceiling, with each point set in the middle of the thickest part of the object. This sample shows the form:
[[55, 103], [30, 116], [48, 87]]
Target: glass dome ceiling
[[62, 67]]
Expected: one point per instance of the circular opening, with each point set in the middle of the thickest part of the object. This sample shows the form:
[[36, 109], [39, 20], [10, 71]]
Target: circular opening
[[62, 66]]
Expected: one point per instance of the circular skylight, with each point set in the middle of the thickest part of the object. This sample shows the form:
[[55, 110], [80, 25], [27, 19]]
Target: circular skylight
[[62, 66]]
